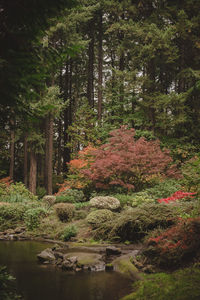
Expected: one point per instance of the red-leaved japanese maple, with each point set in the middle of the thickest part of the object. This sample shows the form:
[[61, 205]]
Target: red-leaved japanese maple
[[127, 162]]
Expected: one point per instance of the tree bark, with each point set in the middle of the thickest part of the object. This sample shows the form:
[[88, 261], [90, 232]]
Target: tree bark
[[90, 83], [12, 149], [67, 115], [48, 154], [25, 161], [50, 159], [33, 172], [46, 164], [100, 66], [59, 147]]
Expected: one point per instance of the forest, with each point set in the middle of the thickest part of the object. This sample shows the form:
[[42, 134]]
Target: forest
[[99, 106]]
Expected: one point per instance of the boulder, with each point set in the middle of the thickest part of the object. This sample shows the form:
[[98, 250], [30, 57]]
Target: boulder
[[87, 261], [46, 255], [124, 266], [69, 263], [105, 202]]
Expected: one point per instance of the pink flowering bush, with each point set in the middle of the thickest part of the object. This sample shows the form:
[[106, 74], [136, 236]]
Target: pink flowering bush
[[176, 196]]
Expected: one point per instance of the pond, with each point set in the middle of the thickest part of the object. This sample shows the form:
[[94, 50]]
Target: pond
[[45, 282]]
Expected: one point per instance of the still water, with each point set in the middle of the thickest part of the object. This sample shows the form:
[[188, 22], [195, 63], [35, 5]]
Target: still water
[[41, 282]]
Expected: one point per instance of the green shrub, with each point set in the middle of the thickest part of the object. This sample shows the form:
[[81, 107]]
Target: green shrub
[[49, 200], [40, 192], [180, 285], [97, 217], [17, 193], [134, 223], [70, 196], [57, 180], [164, 189], [64, 211], [7, 288], [141, 199], [11, 215], [191, 173], [32, 217], [81, 205], [14, 212], [187, 209], [150, 195], [69, 231], [80, 214], [134, 199]]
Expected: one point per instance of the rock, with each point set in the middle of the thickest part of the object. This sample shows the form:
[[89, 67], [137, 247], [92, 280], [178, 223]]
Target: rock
[[69, 263], [111, 250], [124, 266], [58, 255], [19, 230], [46, 255], [87, 261], [59, 262], [105, 202]]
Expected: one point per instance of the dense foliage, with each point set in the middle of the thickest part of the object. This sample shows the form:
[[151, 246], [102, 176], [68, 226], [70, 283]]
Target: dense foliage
[[70, 80], [177, 244], [98, 99], [7, 287], [180, 285], [127, 162]]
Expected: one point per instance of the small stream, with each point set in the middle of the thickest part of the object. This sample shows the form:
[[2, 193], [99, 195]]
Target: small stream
[[44, 282]]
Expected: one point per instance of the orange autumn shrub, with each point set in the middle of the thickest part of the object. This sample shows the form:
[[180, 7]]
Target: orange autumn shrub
[[76, 179], [4, 185], [6, 181]]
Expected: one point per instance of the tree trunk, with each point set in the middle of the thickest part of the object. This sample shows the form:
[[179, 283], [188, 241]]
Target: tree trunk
[[181, 82], [50, 160], [121, 88], [151, 91], [59, 147], [25, 161], [33, 172], [67, 115], [90, 84], [100, 66], [12, 150], [48, 154], [46, 164]]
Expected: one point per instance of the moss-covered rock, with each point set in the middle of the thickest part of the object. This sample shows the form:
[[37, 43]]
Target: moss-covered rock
[[87, 261], [124, 266], [97, 217]]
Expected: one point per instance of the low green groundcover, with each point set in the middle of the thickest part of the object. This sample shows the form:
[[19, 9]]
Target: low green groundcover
[[7, 287], [180, 285]]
